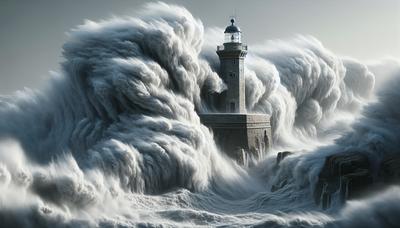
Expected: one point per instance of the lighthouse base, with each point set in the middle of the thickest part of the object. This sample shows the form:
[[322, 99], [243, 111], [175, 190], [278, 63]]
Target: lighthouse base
[[240, 135]]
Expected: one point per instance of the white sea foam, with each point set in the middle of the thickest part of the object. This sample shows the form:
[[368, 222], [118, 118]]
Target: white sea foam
[[115, 138]]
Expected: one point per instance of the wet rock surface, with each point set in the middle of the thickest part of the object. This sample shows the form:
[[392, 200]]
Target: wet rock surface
[[282, 155], [279, 158], [350, 175], [389, 172]]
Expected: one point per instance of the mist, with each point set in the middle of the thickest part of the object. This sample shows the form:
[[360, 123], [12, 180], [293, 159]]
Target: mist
[[115, 138]]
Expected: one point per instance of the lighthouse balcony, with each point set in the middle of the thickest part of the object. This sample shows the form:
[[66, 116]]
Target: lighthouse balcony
[[232, 46]]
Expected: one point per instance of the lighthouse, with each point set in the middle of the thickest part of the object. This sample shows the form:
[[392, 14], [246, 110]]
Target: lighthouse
[[237, 132], [231, 55]]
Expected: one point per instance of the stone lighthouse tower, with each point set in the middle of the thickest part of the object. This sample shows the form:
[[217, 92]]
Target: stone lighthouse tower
[[239, 134], [231, 55]]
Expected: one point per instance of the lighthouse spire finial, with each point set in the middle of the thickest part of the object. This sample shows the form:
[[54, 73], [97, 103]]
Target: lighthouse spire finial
[[233, 17]]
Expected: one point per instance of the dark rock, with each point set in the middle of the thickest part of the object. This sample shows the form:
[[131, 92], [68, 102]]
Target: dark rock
[[282, 155], [279, 157], [348, 173], [344, 163], [352, 185], [389, 172]]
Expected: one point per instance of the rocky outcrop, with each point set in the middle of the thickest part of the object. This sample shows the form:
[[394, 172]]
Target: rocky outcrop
[[279, 157], [389, 172], [350, 175], [282, 155]]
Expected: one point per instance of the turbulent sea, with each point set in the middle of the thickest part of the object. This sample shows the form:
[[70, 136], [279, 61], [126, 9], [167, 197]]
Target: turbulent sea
[[115, 140]]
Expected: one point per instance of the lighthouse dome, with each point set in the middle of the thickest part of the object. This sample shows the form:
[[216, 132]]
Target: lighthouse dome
[[232, 33], [232, 28]]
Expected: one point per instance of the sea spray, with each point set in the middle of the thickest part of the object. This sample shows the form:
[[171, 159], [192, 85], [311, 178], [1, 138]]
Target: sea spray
[[115, 138]]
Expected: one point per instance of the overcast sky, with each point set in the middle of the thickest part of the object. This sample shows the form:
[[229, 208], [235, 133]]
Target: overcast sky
[[33, 32]]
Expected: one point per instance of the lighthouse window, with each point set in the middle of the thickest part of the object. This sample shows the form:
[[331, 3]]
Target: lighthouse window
[[232, 106]]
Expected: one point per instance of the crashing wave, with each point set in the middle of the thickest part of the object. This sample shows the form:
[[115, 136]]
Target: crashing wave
[[115, 138]]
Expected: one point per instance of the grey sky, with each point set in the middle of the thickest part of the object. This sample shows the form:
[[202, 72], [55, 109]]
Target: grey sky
[[33, 32]]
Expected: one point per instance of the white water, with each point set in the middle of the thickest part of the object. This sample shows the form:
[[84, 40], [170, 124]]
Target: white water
[[115, 138]]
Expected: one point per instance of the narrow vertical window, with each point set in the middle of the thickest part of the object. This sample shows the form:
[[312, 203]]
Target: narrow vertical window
[[232, 106]]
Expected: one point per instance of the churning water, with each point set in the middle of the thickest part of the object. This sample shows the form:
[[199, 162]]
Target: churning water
[[115, 138]]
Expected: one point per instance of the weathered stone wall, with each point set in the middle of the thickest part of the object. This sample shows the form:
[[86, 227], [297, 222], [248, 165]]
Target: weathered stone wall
[[232, 72], [239, 135]]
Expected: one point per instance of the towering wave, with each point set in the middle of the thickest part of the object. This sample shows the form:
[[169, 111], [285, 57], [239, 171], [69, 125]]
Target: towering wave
[[115, 137]]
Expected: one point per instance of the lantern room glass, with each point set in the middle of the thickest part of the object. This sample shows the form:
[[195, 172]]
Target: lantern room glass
[[233, 37]]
